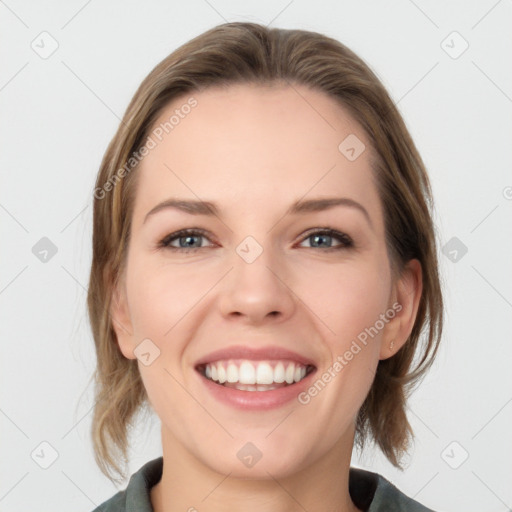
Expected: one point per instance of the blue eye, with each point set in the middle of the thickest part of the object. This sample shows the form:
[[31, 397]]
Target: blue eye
[[185, 237], [188, 240], [327, 235]]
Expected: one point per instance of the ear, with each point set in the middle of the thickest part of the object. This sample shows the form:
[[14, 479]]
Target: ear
[[121, 321], [405, 300]]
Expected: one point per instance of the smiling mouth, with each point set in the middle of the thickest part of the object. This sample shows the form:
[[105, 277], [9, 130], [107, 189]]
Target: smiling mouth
[[247, 375]]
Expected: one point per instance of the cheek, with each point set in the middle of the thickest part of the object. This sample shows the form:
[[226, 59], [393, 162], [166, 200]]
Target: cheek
[[162, 295], [162, 300], [348, 298]]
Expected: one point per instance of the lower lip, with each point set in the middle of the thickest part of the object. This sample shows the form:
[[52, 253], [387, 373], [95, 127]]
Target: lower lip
[[257, 400]]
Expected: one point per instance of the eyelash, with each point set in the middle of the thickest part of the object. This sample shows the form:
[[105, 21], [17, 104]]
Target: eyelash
[[347, 242]]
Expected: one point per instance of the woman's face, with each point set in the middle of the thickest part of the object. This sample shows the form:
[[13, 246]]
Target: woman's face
[[257, 277]]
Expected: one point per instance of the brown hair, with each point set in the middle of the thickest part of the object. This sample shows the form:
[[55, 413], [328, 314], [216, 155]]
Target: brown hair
[[250, 53]]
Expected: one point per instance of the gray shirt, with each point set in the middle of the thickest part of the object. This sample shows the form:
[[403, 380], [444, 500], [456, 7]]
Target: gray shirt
[[369, 491]]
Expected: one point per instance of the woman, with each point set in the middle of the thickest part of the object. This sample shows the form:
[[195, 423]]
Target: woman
[[264, 263]]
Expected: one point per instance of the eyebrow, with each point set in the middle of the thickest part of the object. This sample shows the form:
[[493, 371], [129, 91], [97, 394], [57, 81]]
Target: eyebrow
[[197, 207]]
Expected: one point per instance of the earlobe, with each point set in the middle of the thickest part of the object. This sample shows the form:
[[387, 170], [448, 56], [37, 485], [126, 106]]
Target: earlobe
[[406, 295], [121, 323]]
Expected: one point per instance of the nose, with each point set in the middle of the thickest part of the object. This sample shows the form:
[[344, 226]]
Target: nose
[[258, 292]]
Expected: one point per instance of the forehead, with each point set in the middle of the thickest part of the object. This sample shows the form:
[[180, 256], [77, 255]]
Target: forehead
[[267, 145]]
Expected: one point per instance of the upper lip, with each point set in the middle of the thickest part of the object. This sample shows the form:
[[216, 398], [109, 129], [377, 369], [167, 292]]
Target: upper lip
[[254, 354]]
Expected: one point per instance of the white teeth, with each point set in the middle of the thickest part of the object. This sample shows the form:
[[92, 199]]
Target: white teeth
[[251, 372], [298, 375], [247, 373], [279, 373], [264, 374], [221, 374], [232, 373], [290, 372]]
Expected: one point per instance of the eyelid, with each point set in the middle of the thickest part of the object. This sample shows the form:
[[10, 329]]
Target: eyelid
[[164, 243], [346, 240], [335, 233]]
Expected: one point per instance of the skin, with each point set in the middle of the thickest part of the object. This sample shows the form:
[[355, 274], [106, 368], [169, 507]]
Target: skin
[[255, 150]]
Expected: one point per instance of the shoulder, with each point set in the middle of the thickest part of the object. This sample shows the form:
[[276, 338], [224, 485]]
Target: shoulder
[[372, 492], [115, 504], [136, 496]]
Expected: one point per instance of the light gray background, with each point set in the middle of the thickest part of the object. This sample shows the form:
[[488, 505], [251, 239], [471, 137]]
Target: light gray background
[[60, 112]]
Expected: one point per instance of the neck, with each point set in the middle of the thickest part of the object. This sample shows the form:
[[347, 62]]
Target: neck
[[187, 484]]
